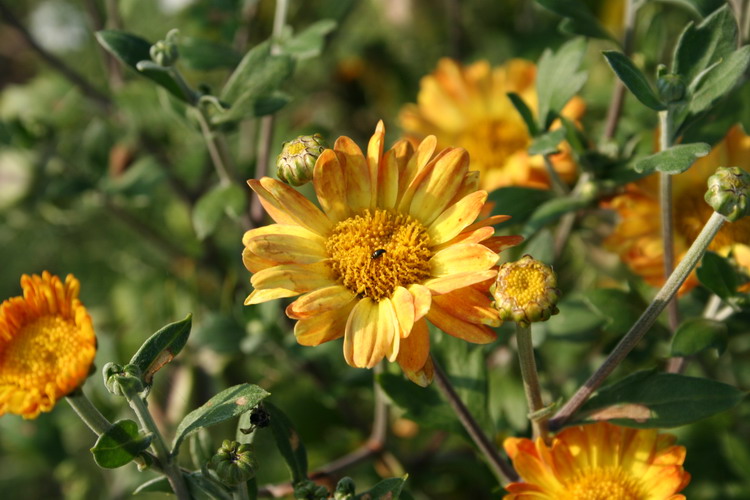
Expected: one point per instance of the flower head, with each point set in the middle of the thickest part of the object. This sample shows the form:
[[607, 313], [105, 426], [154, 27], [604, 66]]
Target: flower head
[[394, 243], [728, 192], [637, 237], [47, 345], [525, 291], [295, 163], [468, 107], [599, 462]]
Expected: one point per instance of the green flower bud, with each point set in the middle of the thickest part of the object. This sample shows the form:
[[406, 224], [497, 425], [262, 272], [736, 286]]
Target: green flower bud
[[728, 192], [122, 381], [671, 88], [525, 291], [345, 489], [164, 52], [234, 463], [297, 159], [308, 490]]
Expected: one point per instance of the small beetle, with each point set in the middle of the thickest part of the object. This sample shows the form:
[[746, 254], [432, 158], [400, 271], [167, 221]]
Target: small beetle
[[377, 253]]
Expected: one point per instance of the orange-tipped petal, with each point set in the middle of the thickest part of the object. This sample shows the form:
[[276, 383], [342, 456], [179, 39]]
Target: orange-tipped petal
[[439, 186], [456, 218], [451, 282], [477, 334], [462, 258], [415, 349], [278, 197], [295, 277], [359, 188], [369, 332], [374, 157], [330, 186], [287, 249], [323, 327], [470, 305], [320, 301], [422, 300], [403, 306]]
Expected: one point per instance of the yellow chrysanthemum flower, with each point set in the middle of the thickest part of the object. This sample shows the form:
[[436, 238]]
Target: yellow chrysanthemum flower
[[394, 243], [599, 462], [468, 107], [47, 345], [637, 237]]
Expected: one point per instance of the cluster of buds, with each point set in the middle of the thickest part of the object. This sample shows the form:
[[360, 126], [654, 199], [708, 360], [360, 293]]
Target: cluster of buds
[[308, 490], [234, 463], [164, 52], [525, 291], [728, 192], [297, 160], [122, 380]]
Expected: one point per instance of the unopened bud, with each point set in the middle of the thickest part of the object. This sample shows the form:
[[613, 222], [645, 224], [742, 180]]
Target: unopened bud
[[345, 489], [525, 291], [728, 192], [122, 380], [234, 463], [671, 88], [308, 490], [297, 160], [164, 52]]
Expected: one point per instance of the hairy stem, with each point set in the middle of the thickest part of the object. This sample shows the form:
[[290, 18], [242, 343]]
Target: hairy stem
[[530, 377]]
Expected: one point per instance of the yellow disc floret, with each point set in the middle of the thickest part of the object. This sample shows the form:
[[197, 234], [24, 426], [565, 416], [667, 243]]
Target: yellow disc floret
[[377, 251], [525, 291], [605, 483]]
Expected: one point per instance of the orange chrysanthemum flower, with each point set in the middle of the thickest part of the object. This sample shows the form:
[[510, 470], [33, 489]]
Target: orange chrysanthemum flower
[[394, 243], [47, 345], [637, 237], [599, 462], [469, 107]]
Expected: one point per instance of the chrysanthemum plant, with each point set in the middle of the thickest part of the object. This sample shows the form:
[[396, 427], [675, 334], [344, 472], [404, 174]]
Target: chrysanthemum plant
[[390, 252]]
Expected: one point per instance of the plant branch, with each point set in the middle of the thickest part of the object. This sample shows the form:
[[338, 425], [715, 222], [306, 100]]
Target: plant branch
[[644, 322], [618, 94], [530, 377]]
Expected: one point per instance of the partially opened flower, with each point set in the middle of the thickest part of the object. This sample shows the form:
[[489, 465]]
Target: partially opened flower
[[47, 345], [599, 462], [394, 243], [637, 237], [469, 107]]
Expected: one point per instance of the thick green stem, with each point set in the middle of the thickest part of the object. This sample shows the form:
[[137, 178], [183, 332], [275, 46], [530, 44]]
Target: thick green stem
[[530, 377], [644, 323], [241, 492], [89, 413]]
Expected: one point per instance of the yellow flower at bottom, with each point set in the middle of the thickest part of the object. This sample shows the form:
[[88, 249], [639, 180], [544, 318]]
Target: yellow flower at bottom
[[599, 462], [47, 345], [637, 237], [394, 244], [468, 106]]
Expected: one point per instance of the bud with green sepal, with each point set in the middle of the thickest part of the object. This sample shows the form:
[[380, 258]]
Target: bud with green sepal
[[671, 88], [308, 490], [164, 52], [122, 381], [345, 489], [525, 291], [728, 192], [234, 463], [297, 160]]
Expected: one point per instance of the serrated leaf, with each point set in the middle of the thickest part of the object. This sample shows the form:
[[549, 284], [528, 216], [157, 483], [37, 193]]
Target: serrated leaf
[[720, 80], [309, 42], [578, 18], [130, 50], [674, 160], [550, 211], [650, 399], [119, 445], [212, 206], [161, 347], [204, 55], [716, 274], [518, 202], [288, 442], [547, 143], [633, 79], [229, 403], [699, 334], [387, 489], [559, 79], [525, 112]]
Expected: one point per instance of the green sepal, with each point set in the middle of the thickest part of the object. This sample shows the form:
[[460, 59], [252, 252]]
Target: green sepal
[[120, 444]]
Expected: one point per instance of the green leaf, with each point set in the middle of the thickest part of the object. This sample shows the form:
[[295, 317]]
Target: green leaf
[[119, 445], [550, 211], [310, 41], [156, 485], [201, 449], [720, 80], [633, 79], [547, 143], [559, 79], [203, 55], [699, 334], [130, 50], [701, 46], [716, 274], [578, 320], [161, 347], [674, 160], [737, 454], [229, 403], [649, 399], [700, 7], [289, 443], [252, 60], [211, 207], [518, 202], [619, 309], [387, 489], [525, 112], [578, 18]]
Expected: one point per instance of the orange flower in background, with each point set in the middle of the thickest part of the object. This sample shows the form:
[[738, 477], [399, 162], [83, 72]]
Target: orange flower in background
[[637, 237], [394, 243], [468, 107], [47, 345], [599, 462]]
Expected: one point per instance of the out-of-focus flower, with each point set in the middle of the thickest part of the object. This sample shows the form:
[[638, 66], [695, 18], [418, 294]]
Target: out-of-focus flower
[[468, 107], [526, 291], [47, 345], [394, 243], [637, 237], [599, 462]]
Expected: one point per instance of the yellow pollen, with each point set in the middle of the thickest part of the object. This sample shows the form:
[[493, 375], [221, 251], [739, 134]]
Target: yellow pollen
[[296, 148], [44, 351], [605, 483], [525, 284], [376, 252]]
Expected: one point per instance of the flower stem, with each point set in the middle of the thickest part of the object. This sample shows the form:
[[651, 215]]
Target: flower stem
[[557, 183], [89, 413], [530, 377], [502, 470], [644, 323], [241, 492]]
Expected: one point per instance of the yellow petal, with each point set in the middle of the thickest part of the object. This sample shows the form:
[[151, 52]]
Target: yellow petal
[[296, 277], [369, 332], [292, 230], [287, 249], [462, 258], [258, 296], [394, 162], [320, 301], [477, 334], [439, 186], [476, 236], [374, 155], [418, 161], [469, 304], [358, 183], [415, 349], [253, 263], [456, 218], [403, 306], [407, 192], [422, 300], [451, 282], [330, 186], [323, 327], [278, 197]]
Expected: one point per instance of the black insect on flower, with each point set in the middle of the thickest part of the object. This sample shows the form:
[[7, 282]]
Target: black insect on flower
[[377, 253]]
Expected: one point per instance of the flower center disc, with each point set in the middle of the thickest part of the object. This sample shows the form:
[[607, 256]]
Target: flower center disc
[[606, 483], [376, 252], [525, 285]]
